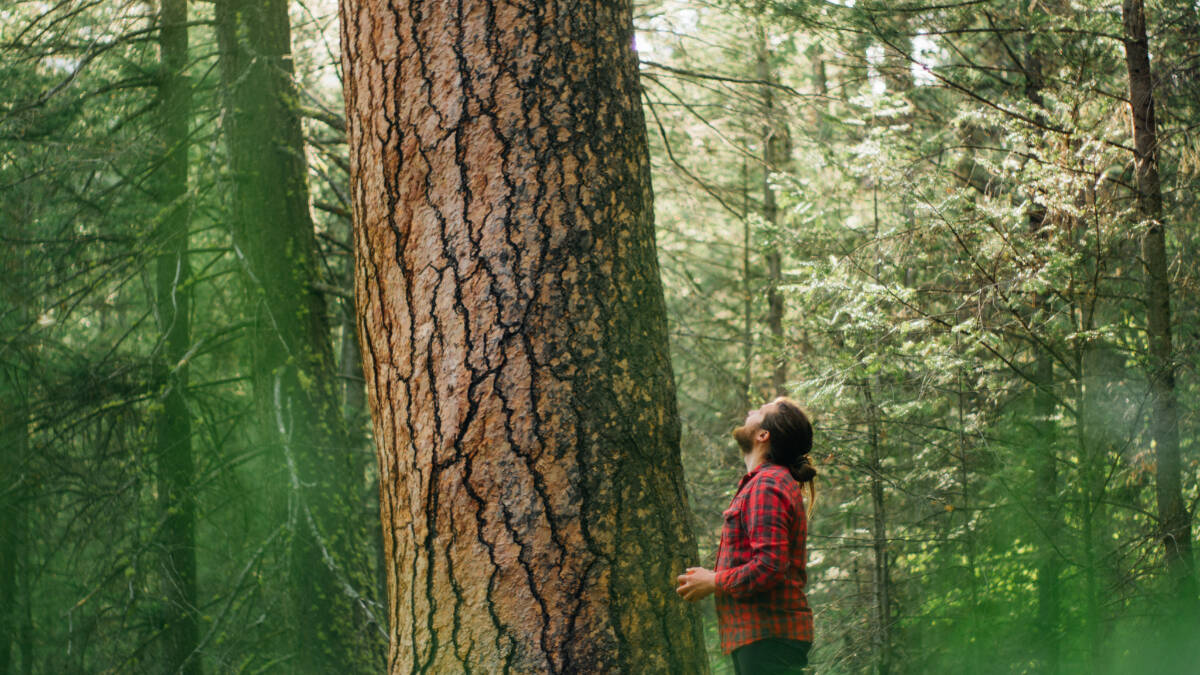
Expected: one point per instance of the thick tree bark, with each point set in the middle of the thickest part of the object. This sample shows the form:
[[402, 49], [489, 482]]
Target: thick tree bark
[[173, 453], [1173, 515], [294, 371], [514, 337]]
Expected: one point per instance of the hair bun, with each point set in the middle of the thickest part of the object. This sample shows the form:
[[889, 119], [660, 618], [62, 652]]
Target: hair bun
[[803, 470]]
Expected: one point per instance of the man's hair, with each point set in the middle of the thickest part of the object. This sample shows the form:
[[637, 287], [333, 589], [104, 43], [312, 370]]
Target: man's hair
[[791, 439]]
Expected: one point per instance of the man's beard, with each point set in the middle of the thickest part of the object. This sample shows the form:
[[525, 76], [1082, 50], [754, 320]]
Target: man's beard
[[745, 438]]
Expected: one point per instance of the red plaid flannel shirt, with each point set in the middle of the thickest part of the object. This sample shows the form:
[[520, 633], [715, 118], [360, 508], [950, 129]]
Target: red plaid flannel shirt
[[761, 561]]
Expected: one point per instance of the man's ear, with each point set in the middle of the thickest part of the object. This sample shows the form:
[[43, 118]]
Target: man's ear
[[762, 435]]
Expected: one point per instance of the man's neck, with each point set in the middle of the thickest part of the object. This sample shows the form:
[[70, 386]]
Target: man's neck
[[755, 457]]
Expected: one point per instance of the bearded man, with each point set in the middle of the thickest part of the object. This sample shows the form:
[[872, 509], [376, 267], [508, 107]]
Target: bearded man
[[762, 612]]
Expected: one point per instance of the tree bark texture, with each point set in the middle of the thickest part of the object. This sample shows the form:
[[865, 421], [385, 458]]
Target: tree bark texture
[[1173, 515], [173, 454], [293, 369], [514, 336]]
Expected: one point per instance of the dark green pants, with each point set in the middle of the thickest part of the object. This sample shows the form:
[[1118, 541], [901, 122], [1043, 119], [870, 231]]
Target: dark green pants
[[772, 656]]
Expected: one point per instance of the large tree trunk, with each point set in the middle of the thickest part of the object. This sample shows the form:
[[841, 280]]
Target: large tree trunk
[[1173, 515], [514, 337], [294, 371], [177, 541]]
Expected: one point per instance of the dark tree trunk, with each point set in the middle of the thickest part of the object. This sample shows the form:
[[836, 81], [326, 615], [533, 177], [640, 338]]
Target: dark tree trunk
[[1174, 519], [514, 337], [776, 147], [17, 486], [880, 579], [172, 303], [819, 109], [1046, 501], [747, 288], [294, 371], [1045, 463], [14, 543]]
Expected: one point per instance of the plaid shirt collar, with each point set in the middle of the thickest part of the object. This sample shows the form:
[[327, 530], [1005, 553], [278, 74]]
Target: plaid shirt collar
[[750, 474]]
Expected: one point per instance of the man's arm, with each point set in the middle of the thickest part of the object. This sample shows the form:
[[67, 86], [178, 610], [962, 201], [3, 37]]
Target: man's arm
[[769, 515]]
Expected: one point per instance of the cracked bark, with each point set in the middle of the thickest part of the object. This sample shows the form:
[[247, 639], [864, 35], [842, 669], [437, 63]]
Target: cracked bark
[[514, 340], [293, 367]]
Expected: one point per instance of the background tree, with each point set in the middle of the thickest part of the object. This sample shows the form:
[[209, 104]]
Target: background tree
[[291, 354], [175, 470]]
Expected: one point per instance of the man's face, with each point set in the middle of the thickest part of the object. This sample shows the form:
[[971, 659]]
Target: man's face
[[744, 434]]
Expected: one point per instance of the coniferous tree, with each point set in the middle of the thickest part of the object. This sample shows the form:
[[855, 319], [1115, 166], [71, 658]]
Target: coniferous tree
[[515, 340]]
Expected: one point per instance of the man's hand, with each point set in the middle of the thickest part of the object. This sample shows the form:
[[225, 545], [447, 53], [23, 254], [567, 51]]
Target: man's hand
[[696, 583]]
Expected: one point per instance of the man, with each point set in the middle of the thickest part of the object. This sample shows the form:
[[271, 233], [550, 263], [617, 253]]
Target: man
[[762, 613]]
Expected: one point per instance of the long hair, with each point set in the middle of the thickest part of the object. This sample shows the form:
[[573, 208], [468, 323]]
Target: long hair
[[791, 442]]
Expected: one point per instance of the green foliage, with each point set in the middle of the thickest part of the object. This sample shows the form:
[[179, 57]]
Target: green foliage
[[957, 210], [964, 315]]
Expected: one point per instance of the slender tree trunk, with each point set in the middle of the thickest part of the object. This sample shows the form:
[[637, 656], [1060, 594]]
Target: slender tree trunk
[[1092, 452], [172, 304], [19, 360], [747, 294], [1045, 464], [776, 144], [25, 577], [881, 583], [514, 336], [1173, 515], [14, 434], [966, 509], [1046, 503], [294, 371], [354, 394], [819, 109], [897, 56]]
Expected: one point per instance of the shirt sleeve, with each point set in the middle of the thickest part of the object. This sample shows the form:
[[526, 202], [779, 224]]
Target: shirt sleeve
[[768, 518]]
